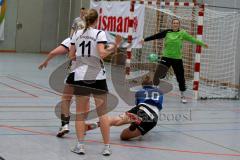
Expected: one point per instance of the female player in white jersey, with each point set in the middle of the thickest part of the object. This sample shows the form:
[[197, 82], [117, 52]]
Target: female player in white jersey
[[88, 48], [67, 96], [68, 90]]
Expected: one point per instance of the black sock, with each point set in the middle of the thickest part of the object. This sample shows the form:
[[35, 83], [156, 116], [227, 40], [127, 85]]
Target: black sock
[[65, 119]]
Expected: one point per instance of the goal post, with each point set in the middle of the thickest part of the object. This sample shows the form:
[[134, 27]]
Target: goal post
[[210, 73]]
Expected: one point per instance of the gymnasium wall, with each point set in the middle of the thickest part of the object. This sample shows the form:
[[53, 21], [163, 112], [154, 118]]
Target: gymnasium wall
[[59, 14], [63, 20], [69, 10], [10, 26], [49, 25], [57, 18]]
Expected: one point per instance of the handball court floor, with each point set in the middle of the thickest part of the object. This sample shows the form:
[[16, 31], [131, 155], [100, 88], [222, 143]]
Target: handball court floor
[[198, 130]]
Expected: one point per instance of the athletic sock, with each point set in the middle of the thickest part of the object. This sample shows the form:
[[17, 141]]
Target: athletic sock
[[107, 145], [81, 142], [182, 94], [65, 119]]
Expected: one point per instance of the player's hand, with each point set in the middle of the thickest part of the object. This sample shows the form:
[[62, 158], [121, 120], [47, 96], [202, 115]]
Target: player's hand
[[43, 65], [142, 41], [205, 45], [118, 40], [111, 47]]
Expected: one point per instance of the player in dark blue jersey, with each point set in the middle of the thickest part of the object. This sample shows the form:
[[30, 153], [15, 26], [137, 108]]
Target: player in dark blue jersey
[[143, 117]]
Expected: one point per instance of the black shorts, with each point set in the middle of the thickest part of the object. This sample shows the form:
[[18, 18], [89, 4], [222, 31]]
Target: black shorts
[[87, 87], [148, 122]]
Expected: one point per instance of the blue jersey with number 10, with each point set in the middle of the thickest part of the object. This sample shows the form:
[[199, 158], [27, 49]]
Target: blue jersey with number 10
[[150, 95]]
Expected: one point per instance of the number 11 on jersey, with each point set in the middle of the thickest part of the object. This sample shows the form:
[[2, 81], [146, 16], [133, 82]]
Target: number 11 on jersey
[[84, 45]]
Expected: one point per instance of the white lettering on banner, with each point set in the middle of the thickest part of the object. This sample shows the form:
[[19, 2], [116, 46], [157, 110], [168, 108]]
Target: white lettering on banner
[[114, 19], [115, 24]]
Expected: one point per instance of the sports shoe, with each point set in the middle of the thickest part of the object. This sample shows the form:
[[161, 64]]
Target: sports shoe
[[79, 149], [92, 126], [183, 99], [1, 158], [63, 130], [106, 150]]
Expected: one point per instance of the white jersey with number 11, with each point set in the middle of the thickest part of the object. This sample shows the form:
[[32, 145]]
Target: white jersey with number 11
[[91, 65]]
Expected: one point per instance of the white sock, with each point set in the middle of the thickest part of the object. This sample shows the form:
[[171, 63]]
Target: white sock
[[107, 145], [182, 94], [80, 142]]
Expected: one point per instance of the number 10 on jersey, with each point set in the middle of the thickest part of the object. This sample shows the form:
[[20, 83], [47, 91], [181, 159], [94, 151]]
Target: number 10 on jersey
[[152, 95]]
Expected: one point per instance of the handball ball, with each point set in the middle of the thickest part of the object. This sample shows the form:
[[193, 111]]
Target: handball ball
[[153, 57]]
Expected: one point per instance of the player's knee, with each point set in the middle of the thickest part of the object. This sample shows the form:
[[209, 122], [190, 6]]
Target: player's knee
[[124, 137], [66, 97]]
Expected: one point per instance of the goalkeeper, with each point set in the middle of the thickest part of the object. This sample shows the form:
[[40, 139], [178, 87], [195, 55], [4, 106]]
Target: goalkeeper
[[172, 53]]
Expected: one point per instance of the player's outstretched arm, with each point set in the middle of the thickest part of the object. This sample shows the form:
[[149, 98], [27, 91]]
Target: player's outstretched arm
[[190, 38], [113, 46], [159, 35], [104, 52], [57, 51]]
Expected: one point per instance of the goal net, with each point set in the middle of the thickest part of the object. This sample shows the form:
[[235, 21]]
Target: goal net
[[218, 63]]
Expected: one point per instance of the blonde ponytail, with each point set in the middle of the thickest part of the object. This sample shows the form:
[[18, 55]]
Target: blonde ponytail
[[90, 18]]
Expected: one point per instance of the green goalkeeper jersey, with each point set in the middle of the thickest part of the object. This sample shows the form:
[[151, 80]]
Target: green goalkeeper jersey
[[173, 42]]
